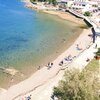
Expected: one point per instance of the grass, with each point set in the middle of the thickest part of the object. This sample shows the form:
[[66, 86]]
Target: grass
[[93, 65]]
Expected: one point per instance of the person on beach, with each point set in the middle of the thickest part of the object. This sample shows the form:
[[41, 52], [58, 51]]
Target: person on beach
[[28, 98], [87, 60], [69, 58], [54, 97], [50, 65], [78, 48], [61, 63], [74, 57], [77, 45], [95, 46]]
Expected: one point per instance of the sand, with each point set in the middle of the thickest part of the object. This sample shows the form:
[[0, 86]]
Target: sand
[[43, 76], [66, 16], [40, 84], [63, 15], [44, 92]]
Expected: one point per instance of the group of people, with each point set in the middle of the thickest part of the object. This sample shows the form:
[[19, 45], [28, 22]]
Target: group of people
[[49, 65], [26, 98], [69, 58]]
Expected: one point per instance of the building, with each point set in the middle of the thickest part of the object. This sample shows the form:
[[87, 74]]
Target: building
[[76, 4], [80, 4]]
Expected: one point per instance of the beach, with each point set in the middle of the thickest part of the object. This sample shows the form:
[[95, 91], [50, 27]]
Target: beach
[[21, 61], [41, 83], [44, 75], [66, 16], [63, 15]]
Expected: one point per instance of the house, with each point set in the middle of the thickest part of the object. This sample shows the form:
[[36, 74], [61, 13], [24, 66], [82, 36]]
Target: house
[[80, 4]]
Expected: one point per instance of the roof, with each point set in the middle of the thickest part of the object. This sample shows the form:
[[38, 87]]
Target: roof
[[64, 0], [80, 2]]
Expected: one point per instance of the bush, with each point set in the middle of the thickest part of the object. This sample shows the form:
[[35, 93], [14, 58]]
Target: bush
[[98, 52], [87, 13], [78, 86]]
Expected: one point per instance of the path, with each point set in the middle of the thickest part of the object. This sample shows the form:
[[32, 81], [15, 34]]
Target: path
[[44, 92]]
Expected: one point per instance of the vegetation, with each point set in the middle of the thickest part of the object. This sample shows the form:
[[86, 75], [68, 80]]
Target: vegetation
[[38, 0], [87, 13], [32, 0], [78, 85], [98, 52], [94, 5], [50, 1]]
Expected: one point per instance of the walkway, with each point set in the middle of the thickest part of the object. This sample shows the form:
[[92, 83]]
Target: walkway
[[44, 92]]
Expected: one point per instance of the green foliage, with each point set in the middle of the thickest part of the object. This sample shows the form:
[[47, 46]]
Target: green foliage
[[93, 66], [98, 52], [94, 5], [87, 13], [78, 86], [33, 0], [54, 2], [50, 1]]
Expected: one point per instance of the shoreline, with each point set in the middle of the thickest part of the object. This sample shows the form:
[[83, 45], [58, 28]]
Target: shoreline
[[66, 16], [58, 59], [22, 76], [62, 16], [35, 80]]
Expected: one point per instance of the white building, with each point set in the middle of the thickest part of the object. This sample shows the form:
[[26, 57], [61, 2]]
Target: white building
[[80, 4], [77, 4]]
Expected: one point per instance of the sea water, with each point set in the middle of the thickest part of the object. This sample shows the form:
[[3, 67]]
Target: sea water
[[27, 37]]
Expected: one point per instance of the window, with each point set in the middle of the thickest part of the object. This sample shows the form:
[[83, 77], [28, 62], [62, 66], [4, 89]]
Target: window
[[83, 4]]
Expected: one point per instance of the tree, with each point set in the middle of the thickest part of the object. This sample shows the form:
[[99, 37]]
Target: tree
[[54, 2], [87, 13], [78, 86], [98, 52], [32, 0]]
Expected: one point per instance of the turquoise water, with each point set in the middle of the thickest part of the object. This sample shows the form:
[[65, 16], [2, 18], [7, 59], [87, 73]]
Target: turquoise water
[[28, 37]]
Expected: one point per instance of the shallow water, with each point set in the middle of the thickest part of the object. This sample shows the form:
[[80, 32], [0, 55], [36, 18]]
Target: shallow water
[[27, 38]]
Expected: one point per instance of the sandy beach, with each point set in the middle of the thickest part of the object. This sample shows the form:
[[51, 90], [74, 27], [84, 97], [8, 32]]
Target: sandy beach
[[41, 83], [63, 15], [66, 16], [44, 75]]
